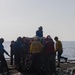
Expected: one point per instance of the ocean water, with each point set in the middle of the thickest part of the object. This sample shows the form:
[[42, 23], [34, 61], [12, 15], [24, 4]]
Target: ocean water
[[68, 49]]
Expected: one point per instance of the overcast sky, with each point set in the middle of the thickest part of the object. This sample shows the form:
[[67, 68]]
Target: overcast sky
[[23, 17]]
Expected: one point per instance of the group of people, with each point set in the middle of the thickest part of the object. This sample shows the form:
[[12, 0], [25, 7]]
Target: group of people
[[40, 50]]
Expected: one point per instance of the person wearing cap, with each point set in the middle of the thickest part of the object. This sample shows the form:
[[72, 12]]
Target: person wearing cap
[[35, 51]]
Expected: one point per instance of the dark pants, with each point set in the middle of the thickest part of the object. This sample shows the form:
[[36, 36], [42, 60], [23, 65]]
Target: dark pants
[[50, 63], [35, 66], [59, 57], [17, 58], [3, 61], [11, 59]]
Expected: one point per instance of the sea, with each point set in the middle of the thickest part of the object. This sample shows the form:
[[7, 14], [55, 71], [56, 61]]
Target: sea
[[68, 49]]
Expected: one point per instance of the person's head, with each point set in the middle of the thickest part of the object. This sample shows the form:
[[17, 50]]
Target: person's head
[[48, 37], [12, 41], [56, 38], [40, 28], [1, 40], [19, 39], [24, 39]]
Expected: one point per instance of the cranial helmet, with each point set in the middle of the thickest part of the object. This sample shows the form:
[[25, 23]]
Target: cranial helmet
[[40, 28]]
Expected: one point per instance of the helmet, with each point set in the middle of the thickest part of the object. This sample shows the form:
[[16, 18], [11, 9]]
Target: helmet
[[48, 37], [56, 38], [40, 28]]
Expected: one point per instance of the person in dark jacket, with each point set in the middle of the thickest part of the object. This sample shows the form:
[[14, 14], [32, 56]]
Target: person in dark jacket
[[2, 58], [25, 51], [17, 51], [11, 52]]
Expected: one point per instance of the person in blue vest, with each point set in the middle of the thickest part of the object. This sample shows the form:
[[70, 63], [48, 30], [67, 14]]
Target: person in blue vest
[[39, 32]]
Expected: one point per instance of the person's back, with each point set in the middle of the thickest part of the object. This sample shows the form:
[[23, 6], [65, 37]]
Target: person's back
[[50, 55], [39, 32], [17, 44], [36, 47], [35, 50], [25, 44], [17, 51], [49, 46]]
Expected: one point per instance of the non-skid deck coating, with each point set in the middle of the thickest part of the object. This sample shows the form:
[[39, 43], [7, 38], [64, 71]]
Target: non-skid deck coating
[[69, 66]]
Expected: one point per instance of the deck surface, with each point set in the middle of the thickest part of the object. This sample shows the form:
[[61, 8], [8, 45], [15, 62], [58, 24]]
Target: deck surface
[[64, 66]]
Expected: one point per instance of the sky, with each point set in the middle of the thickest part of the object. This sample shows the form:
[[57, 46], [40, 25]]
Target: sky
[[23, 17]]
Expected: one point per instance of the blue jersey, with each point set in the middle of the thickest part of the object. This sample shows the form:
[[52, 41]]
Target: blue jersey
[[39, 33]]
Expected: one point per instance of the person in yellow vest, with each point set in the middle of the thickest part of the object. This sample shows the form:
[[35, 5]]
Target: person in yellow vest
[[59, 49], [35, 50]]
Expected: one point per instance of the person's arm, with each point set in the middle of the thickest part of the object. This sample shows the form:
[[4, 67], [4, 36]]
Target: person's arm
[[6, 53]]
